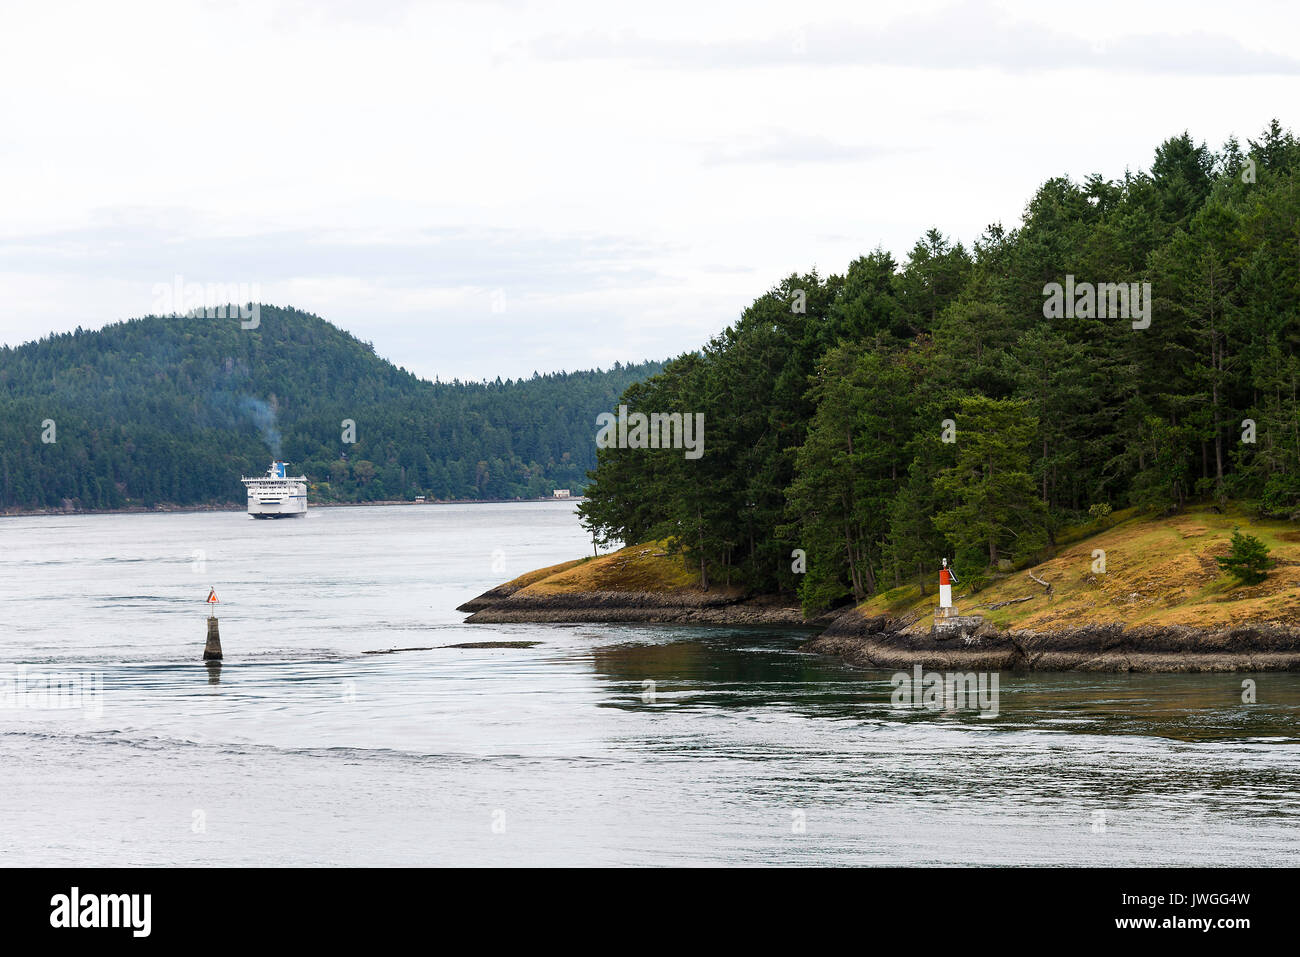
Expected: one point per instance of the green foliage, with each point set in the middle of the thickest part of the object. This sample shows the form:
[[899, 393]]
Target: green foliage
[[913, 543], [824, 424], [175, 409], [987, 497], [823, 403], [1281, 498], [1248, 560], [846, 472]]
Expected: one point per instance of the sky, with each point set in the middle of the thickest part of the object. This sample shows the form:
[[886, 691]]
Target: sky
[[496, 188]]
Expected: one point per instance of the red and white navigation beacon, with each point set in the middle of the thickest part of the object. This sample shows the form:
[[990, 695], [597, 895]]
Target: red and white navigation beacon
[[212, 596], [946, 581], [947, 623]]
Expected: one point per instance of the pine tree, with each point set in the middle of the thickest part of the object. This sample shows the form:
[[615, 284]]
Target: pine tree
[[1248, 560], [987, 498]]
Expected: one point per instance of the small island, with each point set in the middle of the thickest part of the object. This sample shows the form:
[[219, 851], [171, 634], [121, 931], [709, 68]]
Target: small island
[[640, 583], [1083, 427], [1163, 603]]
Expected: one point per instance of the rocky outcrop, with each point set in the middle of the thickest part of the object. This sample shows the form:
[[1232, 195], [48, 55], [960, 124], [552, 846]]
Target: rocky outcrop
[[490, 598], [877, 641], [881, 642], [502, 604]]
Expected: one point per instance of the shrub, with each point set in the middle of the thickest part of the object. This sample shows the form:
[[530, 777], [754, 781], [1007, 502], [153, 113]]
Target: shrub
[[1248, 560], [1100, 512]]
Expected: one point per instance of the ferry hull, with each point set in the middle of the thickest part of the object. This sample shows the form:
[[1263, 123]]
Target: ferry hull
[[276, 495], [278, 510], [289, 505]]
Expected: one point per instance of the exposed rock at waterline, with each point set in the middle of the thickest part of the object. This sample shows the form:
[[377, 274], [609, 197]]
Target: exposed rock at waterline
[[891, 643], [720, 608]]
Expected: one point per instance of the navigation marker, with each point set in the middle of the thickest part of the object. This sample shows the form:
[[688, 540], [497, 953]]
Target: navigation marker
[[212, 650]]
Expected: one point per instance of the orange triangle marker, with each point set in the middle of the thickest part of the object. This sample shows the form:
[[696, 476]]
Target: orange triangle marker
[[212, 596]]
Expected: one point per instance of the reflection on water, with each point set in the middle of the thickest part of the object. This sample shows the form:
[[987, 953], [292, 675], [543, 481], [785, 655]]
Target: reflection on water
[[596, 745], [733, 669]]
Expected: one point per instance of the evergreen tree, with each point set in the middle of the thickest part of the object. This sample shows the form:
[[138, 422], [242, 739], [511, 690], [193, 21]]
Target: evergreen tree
[[987, 497]]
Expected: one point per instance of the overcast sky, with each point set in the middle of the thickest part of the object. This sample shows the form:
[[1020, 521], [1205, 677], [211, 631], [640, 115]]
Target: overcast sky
[[488, 189]]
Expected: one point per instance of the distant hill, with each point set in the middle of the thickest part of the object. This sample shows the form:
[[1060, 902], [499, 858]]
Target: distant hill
[[173, 409]]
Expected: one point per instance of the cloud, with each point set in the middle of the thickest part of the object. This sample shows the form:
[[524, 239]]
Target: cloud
[[154, 245], [486, 188], [787, 148], [963, 37], [442, 301]]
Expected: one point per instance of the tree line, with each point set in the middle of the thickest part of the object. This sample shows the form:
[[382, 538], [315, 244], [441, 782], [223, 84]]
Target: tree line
[[948, 406], [173, 409]]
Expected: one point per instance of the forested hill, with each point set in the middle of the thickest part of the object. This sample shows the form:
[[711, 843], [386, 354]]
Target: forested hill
[[1134, 341], [174, 409]]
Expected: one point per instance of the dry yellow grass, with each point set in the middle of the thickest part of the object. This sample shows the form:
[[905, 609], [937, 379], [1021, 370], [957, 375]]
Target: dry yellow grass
[[637, 568], [1159, 571], [539, 574]]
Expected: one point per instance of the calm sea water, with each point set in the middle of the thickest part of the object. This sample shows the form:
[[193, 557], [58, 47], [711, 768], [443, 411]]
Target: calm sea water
[[303, 749]]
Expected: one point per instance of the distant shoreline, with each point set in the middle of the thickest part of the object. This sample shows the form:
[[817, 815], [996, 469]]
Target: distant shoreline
[[189, 509]]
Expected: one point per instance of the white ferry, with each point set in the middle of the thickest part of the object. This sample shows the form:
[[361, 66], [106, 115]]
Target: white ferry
[[276, 495]]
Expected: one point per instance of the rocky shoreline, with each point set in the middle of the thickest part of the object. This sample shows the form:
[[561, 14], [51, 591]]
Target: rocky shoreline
[[900, 643], [502, 605], [891, 643]]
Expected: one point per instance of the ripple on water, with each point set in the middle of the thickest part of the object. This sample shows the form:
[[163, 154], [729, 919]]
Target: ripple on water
[[601, 744]]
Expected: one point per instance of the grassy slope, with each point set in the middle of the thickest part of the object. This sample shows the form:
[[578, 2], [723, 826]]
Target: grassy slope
[[636, 568], [1159, 571]]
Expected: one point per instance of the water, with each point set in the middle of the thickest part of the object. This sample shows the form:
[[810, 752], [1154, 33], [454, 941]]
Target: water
[[303, 749]]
